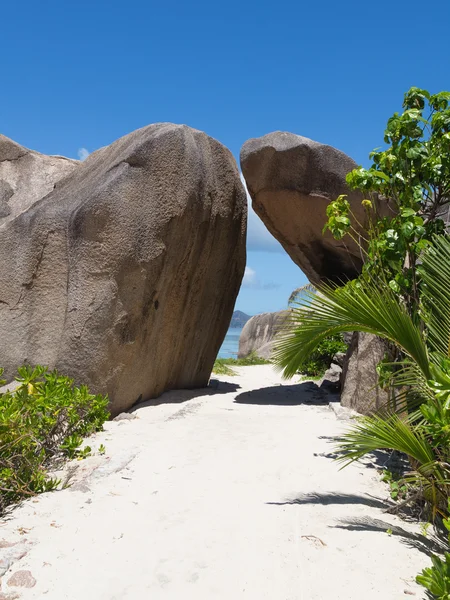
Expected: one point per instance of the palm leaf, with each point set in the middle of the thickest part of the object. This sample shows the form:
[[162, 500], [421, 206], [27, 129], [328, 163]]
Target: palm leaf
[[378, 433], [436, 293], [366, 307]]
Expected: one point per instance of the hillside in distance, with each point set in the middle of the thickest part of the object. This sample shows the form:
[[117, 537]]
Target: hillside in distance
[[239, 319]]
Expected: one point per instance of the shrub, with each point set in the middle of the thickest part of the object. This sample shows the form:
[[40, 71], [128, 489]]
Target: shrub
[[43, 419], [222, 365], [436, 579], [413, 173], [320, 359]]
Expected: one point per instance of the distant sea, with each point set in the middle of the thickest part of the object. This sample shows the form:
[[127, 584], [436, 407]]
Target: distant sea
[[230, 344]]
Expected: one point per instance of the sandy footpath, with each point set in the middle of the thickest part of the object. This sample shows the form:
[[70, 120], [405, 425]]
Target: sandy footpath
[[224, 495]]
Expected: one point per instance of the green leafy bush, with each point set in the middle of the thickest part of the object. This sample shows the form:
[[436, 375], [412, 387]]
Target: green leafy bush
[[222, 365], [45, 418], [413, 174], [436, 579], [320, 359]]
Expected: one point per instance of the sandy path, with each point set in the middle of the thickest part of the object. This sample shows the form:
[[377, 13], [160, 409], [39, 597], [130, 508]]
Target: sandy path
[[223, 496]]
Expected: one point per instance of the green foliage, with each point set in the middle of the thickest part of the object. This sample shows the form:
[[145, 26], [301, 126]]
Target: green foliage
[[222, 365], [421, 380], [359, 306], [397, 486], [320, 358], [436, 579], [45, 418], [413, 175], [403, 296], [220, 368]]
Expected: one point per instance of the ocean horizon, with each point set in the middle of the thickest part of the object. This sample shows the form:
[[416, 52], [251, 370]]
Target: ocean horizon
[[230, 346]]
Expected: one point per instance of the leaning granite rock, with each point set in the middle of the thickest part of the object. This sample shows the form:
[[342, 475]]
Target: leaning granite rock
[[125, 275], [291, 179], [359, 380], [259, 333]]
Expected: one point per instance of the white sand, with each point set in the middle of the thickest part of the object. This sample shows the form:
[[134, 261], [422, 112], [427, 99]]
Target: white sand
[[198, 500]]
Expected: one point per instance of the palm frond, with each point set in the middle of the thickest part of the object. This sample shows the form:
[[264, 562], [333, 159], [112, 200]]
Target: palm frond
[[378, 433], [366, 307], [436, 293]]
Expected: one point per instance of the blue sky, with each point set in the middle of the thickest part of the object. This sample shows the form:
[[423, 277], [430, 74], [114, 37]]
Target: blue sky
[[81, 74]]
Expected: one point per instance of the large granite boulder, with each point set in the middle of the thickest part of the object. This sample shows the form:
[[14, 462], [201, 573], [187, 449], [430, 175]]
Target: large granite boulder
[[291, 179], [123, 274], [359, 380], [259, 333]]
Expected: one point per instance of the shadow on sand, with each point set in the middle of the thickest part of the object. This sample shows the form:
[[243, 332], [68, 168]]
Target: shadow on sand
[[307, 392], [335, 498], [433, 543], [178, 396]]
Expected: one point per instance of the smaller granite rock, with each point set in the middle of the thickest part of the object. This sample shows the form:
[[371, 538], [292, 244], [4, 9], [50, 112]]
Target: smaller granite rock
[[22, 579], [259, 333], [359, 385], [342, 413], [125, 417], [332, 378], [339, 358]]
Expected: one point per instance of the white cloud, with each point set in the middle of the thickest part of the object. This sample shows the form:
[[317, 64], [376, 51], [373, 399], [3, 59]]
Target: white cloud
[[250, 280], [83, 153], [258, 236]]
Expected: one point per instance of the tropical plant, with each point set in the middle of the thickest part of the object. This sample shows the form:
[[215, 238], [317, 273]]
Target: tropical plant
[[321, 357], [44, 418], [420, 381], [417, 423], [222, 366], [436, 579], [412, 179]]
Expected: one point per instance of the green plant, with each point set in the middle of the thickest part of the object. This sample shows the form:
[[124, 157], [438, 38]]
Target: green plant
[[397, 486], [222, 366], [403, 296], [44, 419], [420, 381], [436, 579], [412, 178], [320, 358]]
